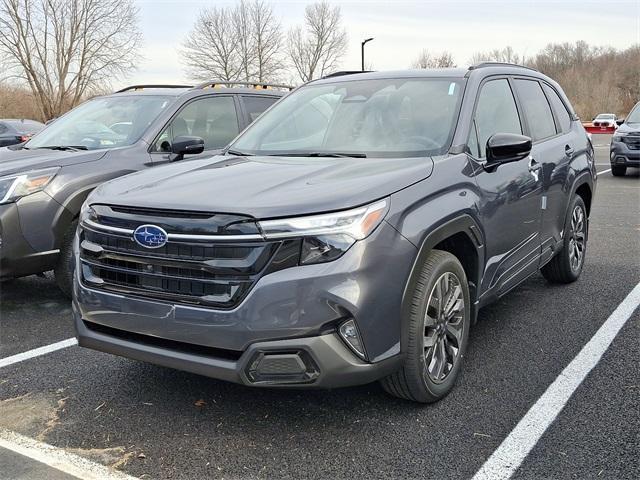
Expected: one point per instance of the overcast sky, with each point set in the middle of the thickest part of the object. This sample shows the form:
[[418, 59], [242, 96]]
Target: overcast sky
[[402, 28]]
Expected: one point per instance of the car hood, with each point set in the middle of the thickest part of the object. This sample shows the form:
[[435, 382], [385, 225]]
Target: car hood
[[629, 128], [22, 160], [264, 187]]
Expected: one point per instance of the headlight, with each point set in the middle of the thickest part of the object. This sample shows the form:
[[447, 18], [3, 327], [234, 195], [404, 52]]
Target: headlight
[[616, 138], [327, 236], [14, 187]]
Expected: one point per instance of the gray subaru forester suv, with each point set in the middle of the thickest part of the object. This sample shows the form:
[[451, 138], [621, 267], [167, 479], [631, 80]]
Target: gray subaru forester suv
[[351, 234], [44, 181]]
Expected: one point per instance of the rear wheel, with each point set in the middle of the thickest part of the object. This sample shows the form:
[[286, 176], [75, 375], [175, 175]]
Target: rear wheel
[[438, 331], [64, 269], [618, 170], [566, 266]]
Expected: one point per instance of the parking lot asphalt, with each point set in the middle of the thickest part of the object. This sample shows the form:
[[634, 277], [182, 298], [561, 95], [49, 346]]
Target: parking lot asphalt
[[153, 422]]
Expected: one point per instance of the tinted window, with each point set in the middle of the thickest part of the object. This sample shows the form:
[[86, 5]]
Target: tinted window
[[213, 119], [536, 109], [3, 128], [496, 112], [564, 120], [255, 105], [392, 118]]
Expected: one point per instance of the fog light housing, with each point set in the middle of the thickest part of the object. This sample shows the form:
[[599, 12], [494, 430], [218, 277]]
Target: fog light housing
[[349, 333]]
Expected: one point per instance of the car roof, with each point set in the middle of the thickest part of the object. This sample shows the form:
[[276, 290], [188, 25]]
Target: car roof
[[20, 121], [483, 69], [193, 91]]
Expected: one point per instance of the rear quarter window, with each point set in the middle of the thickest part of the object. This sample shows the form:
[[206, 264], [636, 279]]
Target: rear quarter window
[[254, 105], [536, 109], [563, 117]]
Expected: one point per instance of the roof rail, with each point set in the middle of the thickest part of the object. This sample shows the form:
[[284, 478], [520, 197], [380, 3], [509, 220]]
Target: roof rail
[[241, 83], [142, 87], [346, 72], [499, 64]]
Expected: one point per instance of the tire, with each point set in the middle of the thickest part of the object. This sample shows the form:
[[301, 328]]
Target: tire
[[418, 379], [64, 269], [618, 170], [563, 267]]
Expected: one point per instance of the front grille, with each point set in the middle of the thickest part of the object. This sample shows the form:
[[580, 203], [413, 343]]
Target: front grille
[[633, 142], [204, 272]]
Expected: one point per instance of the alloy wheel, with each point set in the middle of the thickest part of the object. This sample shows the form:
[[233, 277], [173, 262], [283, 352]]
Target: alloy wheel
[[443, 327], [577, 239]]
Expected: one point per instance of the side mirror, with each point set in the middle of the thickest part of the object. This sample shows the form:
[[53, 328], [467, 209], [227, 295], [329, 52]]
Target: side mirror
[[182, 146], [620, 121], [507, 147]]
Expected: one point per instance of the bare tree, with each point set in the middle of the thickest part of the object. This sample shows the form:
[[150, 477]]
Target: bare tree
[[319, 47], [212, 49], [427, 60], [505, 55], [64, 49], [239, 43], [267, 42]]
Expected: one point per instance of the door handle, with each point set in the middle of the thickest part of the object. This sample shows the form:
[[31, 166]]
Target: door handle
[[568, 150], [533, 164]]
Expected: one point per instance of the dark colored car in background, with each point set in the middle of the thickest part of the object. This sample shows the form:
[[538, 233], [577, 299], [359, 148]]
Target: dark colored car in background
[[44, 182], [13, 131], [351, 234], [625, 144]]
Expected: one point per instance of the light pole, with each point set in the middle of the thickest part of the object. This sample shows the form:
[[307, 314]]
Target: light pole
[[362, 50]]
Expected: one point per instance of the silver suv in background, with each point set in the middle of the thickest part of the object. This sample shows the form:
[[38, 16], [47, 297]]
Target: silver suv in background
[[44, 181]]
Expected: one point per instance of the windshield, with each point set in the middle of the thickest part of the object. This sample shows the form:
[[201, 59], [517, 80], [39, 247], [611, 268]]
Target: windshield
[[375, 118], [102, 123], [634, 116], [606, 116]]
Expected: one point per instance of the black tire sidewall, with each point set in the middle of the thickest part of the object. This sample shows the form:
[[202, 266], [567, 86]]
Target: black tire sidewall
[[65, 267], [431, 390]]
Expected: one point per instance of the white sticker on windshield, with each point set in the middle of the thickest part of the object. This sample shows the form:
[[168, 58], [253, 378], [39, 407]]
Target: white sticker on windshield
[[452, 88]]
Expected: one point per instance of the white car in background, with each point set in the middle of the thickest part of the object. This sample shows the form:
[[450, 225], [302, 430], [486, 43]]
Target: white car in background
[[606, 120]]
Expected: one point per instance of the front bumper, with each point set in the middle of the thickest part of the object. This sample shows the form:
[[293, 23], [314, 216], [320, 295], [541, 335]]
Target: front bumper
[[332, 363], [622, 155], [17, 257], [295, 309]]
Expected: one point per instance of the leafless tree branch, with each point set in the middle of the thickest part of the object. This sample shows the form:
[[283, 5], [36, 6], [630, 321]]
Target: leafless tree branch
[[63, 49]]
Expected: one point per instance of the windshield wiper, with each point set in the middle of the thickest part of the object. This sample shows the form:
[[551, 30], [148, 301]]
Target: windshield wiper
[[322, 154], [65, 148], [238, 153]]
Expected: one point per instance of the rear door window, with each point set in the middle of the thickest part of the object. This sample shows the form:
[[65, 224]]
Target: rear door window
[[563, 117], [214, 119], [536, 109], [254, 105], [496, 112]]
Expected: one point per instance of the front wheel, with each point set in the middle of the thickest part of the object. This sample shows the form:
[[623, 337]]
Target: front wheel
[[64, 269], [438, 331], [567, 265], [618, 170]]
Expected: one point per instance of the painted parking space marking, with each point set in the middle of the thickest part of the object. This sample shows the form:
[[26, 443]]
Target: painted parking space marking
[[36, 352], [58, 458], [604, 171], [506, 459]]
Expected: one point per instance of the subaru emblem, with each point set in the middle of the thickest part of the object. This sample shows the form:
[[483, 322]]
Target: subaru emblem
[[150, 236]]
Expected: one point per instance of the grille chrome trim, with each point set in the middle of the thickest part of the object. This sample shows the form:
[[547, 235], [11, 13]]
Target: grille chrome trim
[[175, 236]]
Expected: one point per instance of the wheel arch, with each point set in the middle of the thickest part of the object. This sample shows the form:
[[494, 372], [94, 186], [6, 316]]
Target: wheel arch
[[463, 238]]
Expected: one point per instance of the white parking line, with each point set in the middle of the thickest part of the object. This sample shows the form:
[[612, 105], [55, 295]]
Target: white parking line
[[36, 352], [59, 459], [503, 463], [604, 171]]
